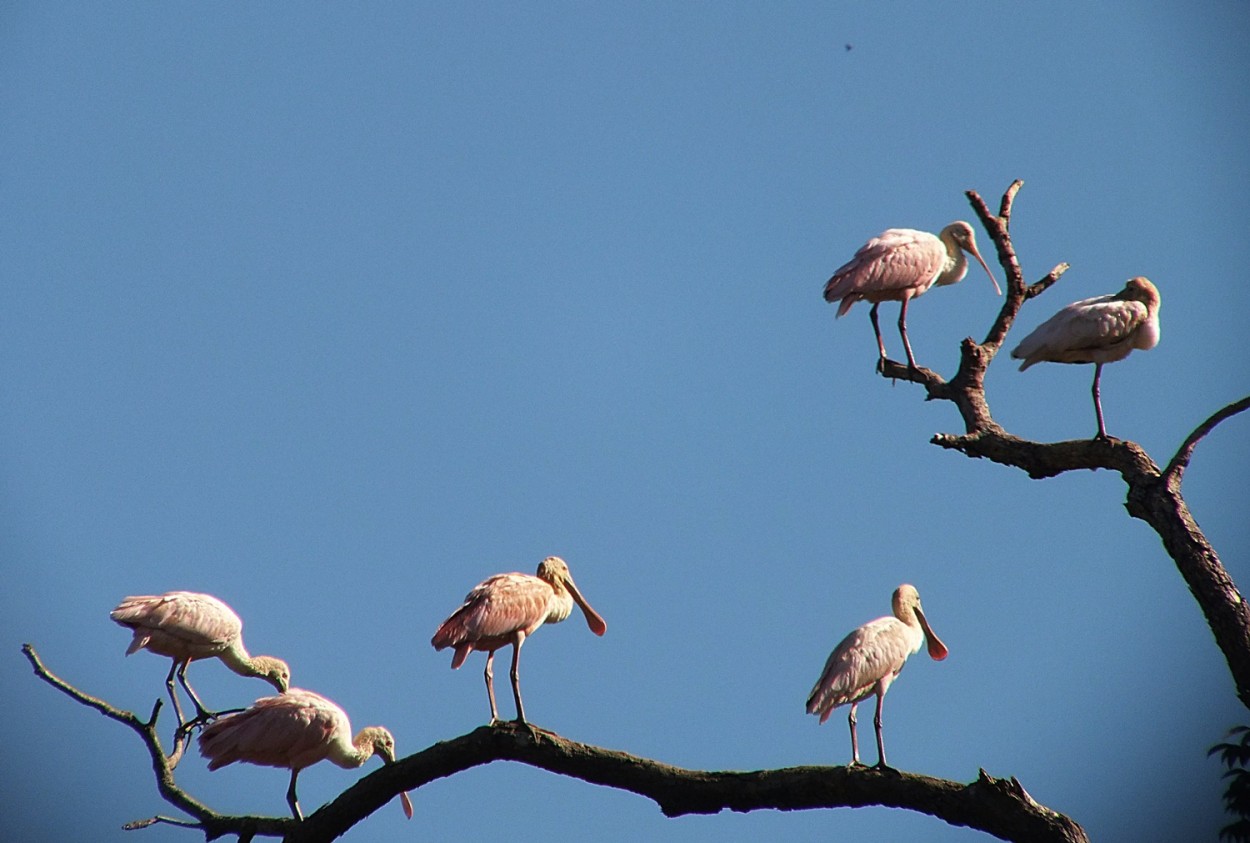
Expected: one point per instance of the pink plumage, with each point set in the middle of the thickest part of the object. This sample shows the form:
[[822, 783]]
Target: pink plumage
[[1098, 330], [506, 609], [898, 265], [295, 730], [868, 661], [184, 626]]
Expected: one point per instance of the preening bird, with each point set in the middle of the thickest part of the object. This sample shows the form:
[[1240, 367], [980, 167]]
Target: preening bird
[[900, 264], [1100, 330], [185, 626], [869, 660], [506, 609], [295, 730]]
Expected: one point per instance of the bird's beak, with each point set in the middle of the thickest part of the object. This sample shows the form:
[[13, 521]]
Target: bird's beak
[[972, 248], [593, 619], [405, 801], [937, 650]]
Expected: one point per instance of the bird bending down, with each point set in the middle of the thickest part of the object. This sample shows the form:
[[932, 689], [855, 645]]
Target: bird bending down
[[869, 660], [186, 626], [506, 609], [295, 730], [900, 264], [1100, 330]]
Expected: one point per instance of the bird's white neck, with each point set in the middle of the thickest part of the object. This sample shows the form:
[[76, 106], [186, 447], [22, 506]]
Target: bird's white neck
[[956, 266]]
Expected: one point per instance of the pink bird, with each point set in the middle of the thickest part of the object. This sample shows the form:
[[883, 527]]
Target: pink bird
[[186, 626], [507, 608], [869, 660], [900, 264], [295, 730], [1100, 330]]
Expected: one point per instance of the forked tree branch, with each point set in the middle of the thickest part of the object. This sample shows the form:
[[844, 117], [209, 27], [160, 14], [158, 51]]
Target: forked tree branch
[[213, 824], [1153, 495], [1000, 807]]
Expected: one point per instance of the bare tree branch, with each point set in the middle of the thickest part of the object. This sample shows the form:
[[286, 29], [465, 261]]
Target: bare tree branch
[[1000, 807], [213, 824], [1153, 495], [1180, 462]]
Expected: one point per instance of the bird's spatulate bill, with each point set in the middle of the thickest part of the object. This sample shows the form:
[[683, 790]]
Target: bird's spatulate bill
[[937, 650], [593, 619], [997, 289]]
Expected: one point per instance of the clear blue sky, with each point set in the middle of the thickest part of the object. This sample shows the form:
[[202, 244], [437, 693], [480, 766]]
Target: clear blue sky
[[333, 311]]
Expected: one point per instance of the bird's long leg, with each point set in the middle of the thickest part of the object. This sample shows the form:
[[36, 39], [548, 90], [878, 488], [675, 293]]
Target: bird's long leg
[[202, 714], [902, 329], [876, 722], [292, 799], [850, 718], [173, 693], [876, 329], [489, 673], [515, 674], [1102, 428]]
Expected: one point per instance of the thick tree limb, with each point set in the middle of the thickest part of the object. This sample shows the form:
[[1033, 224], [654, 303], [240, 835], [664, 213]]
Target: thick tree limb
[[1000, 807], [1153, 495]]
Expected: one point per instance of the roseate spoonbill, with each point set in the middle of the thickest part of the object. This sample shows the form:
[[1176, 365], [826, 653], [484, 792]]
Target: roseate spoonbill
[[900, 264], [185, 626], [1100, 330], [295, 730], [505, 609], [869, 660]]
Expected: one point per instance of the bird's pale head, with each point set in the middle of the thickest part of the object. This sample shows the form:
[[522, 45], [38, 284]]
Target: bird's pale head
[[905, 601], [906, 607], [554, 570], [379, 738], [274, 671], [1140, 289], [962, 235]]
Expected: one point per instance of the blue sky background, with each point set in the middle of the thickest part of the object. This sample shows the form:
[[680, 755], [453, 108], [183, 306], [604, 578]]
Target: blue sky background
[[333, 311]]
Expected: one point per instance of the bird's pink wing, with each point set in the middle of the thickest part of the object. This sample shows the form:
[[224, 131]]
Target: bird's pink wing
[[1081, 328], [196, 619], [292, 730], [496, 608], [865, 657], [888, 263]]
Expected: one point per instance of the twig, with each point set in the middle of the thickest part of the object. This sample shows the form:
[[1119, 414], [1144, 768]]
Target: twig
[[1176, 468]]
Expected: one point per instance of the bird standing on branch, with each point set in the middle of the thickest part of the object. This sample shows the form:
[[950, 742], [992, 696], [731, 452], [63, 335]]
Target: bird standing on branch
[[506, 609], [295, 730], [869, 660], [1100, 330], [185, 626], [900, 264]]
